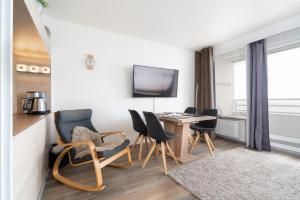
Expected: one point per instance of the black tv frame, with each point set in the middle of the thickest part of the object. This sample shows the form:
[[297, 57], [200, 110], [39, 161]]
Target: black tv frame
[[144, 96]]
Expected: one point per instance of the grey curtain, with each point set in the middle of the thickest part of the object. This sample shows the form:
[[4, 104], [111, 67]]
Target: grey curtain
[[204, 79], [257, 95]]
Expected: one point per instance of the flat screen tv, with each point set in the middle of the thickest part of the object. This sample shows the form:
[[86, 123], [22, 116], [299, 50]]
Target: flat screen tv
[[154, 82]]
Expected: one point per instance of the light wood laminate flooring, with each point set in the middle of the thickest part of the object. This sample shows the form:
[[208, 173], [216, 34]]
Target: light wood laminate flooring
[[133, 183]]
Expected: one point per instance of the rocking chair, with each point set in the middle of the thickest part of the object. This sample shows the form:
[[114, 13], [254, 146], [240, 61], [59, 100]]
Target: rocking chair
[[65, 122]]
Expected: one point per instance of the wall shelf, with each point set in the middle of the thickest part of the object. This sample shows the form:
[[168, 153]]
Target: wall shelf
[[223, 83]]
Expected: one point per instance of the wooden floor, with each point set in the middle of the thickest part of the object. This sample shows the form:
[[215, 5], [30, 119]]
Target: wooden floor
[[133, 183]]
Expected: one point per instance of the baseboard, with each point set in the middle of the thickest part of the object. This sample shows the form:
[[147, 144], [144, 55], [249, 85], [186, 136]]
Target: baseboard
[[44, 185], [286, 144], [286, 148], [285, 151], [285, 139], [230, 139], [290, 150]]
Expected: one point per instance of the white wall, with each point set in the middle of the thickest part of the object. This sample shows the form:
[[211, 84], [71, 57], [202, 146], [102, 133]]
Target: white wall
[[107, 89]]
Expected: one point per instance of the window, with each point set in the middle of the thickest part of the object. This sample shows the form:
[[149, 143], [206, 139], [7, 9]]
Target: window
[[240, 80], [284, 74], [283, 82], [240, 88]]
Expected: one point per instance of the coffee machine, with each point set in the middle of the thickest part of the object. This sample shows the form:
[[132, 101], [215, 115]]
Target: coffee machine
[[35, 103]]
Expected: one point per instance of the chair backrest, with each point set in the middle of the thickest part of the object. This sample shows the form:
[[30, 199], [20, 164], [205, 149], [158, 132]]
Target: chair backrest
[[209, 123], [137, 122], [66, 120], [190, 110], [154, 127]]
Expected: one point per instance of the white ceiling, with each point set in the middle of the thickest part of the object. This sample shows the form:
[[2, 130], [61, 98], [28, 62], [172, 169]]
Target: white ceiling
[[189, 24]]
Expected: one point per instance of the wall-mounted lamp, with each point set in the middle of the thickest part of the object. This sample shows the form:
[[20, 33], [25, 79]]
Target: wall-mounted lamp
[[22, 68], [90, 61], [33, 69], [46, 70]]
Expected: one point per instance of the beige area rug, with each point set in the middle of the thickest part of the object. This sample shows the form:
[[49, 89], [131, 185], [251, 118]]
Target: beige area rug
[[241, 174]]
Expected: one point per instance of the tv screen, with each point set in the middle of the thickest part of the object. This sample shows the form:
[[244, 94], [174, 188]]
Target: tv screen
[[154, 82]]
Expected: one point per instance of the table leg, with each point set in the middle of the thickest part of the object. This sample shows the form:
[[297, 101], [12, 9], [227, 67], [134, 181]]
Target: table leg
[[170, 127], [181, 143]]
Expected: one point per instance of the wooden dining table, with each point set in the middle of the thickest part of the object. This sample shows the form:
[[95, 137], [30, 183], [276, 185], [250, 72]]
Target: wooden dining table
[[179, 123]]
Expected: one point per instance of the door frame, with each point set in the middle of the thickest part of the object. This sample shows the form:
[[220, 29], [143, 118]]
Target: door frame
[[6, 115]]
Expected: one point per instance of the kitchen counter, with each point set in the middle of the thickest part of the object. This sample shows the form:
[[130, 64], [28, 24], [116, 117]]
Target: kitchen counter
[[31, 142], [24, 121]]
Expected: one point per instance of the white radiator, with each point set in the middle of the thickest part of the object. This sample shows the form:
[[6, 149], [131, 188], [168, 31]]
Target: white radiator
[[232, 128]]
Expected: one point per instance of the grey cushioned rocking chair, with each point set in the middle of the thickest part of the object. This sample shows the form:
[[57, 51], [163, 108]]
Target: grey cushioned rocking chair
[[65, 122]]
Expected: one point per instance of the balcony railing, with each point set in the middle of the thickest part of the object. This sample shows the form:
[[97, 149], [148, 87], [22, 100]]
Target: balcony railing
[[280, 106]]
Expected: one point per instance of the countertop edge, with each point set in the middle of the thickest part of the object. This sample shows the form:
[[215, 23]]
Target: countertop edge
[[22, 122]]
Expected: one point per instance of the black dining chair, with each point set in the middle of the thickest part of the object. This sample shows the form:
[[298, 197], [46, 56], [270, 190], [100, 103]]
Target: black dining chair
[[140, 127], [190, 110], [206, 127], [156, 131]]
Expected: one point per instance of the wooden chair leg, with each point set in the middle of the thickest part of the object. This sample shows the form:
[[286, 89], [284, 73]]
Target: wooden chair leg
[[163, 152], [196, 140], [123, 164], [157, 151], [141, 148], [129, 156], [172, 153], [211, 143], [207, 142], [136, 140], [146, 142], [97, 168], [149, 155], [191, 139], [192, 142], [151, 142]]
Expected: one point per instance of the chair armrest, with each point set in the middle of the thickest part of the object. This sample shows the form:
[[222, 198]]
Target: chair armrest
[[105, 134], [90, 144], [69, 146]]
